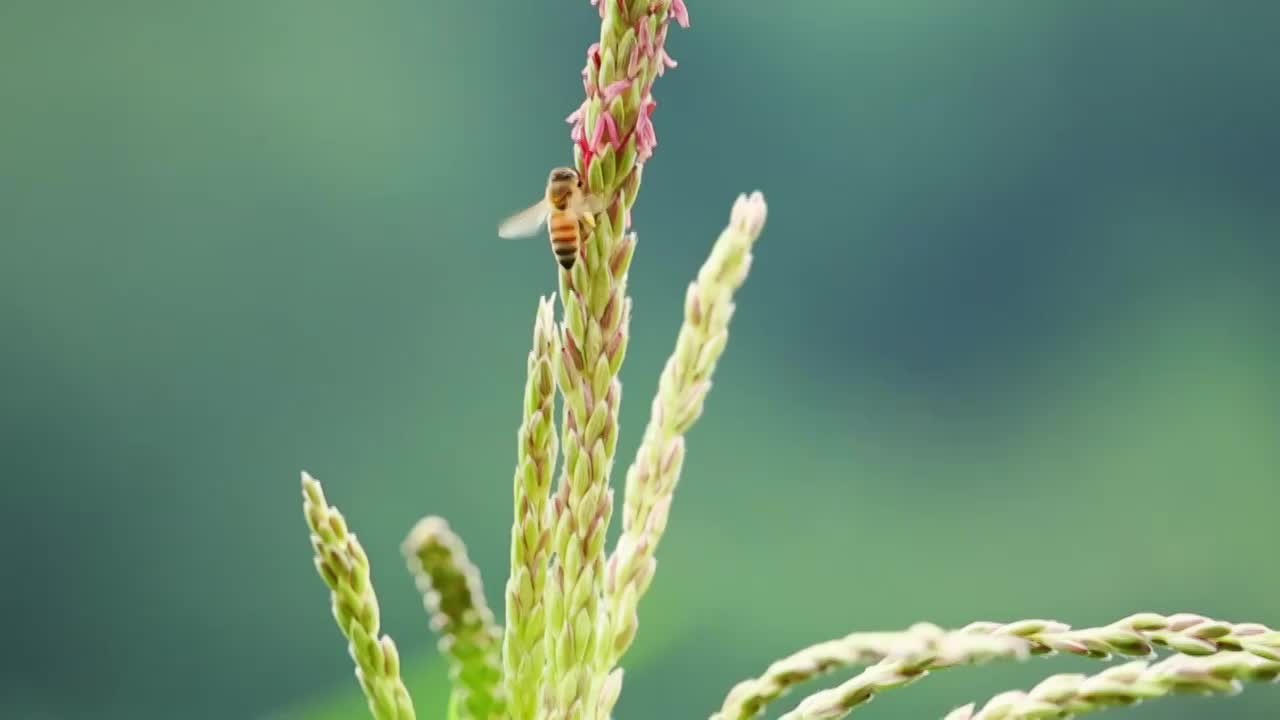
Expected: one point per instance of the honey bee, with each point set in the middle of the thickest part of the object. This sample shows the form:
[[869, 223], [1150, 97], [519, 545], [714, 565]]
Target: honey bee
[[563, 207]]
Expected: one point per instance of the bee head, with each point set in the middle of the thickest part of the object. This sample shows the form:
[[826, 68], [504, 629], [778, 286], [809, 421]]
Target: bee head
[[562, 175], [562, 183]]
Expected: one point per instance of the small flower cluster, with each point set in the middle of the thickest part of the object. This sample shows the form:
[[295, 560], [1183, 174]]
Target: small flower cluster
[[613, 133], [619, 76]]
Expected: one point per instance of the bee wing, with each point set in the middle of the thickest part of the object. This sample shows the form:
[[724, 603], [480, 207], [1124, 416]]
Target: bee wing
[[526, 222], [595, 203]]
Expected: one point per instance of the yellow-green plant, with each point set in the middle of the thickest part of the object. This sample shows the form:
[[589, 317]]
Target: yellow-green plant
[[343, 565], [572, 604]]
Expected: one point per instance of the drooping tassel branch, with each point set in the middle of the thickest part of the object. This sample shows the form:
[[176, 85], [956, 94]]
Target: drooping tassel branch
[[1070, 695], [902, 658], [910, 654]]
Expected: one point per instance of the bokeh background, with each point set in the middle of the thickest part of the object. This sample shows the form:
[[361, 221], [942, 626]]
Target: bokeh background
[[1010, 348]]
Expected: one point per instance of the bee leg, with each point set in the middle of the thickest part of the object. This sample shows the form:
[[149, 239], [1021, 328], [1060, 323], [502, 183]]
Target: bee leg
[[590, 220]]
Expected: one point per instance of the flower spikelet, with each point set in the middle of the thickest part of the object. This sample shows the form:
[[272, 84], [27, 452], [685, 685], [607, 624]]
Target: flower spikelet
[[1138, 634], [452, 593], [1070, 695], [523, 653], [344, 567], [682, 390], [613, 137]]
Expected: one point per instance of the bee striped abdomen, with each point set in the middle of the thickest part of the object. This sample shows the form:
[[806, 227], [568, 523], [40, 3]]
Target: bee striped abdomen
[[563, 228]]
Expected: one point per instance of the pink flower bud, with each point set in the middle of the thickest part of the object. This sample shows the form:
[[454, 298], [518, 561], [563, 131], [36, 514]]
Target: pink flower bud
[[615, 89], [680, 13]]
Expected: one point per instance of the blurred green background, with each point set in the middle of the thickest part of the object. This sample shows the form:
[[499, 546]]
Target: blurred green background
[[1010, 348]]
